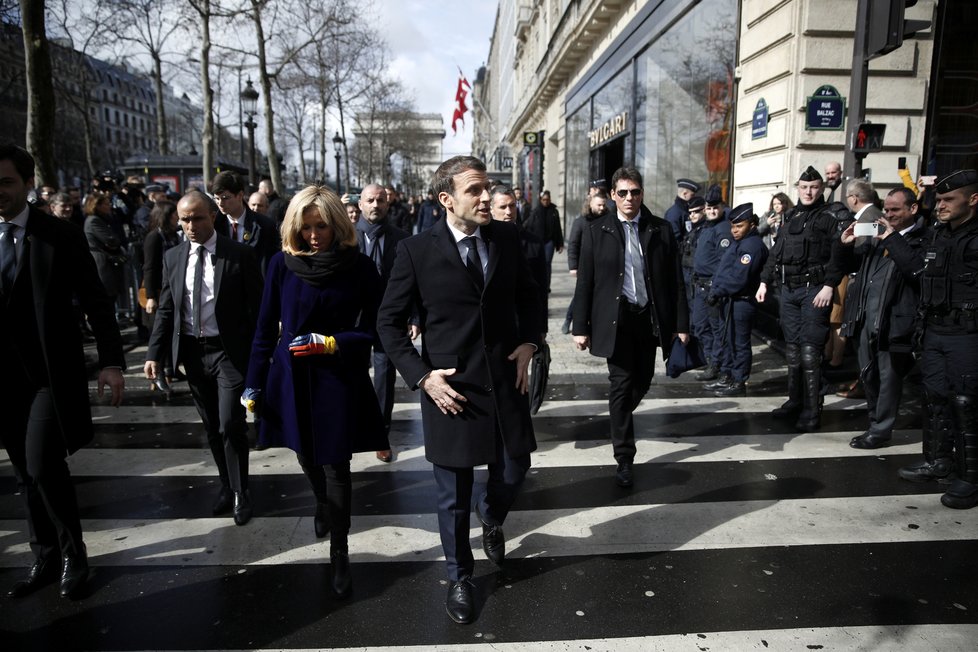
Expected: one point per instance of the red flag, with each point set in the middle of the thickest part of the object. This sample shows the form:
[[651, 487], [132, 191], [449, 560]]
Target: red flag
[[460, 94]]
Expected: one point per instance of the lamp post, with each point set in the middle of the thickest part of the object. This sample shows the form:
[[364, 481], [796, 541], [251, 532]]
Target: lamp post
[[337, 141], [249, 103]]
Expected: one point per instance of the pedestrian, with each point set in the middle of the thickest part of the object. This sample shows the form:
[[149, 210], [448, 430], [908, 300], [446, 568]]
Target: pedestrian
[[629, 301], [595, 207], [773, 220], [163, 235], [44, 265], [544, 222], [308, 371], [242, 224], [802, 260], [205, 320], [735, 282], [429, 212], [479, 311], [105, 245]]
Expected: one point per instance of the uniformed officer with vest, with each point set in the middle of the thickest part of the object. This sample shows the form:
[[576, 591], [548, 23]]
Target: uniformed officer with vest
[[693, 229], [949, 365], [710, 247], [801, 260], [735, 283]]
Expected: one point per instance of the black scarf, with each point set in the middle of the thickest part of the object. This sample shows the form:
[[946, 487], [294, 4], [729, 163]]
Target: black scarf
[[318, 269], [374, 232]]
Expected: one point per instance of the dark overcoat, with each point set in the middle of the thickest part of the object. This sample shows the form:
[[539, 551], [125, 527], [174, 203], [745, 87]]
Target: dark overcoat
[[468, 330], [260, 233], [600, 277], [321, 406], [53, 269]]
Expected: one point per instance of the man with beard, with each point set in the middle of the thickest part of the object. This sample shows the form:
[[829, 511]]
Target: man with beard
[[802, 260], [833, 179]]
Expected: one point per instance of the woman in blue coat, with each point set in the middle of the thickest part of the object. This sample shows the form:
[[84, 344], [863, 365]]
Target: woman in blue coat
[[311, 372]]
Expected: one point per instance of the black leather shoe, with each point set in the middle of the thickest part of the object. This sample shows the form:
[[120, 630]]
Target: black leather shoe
[[242, 507], [43, 572], [869, 440], [339, 564], [74, 575], [459, 604], [224, 502], [493, 540], [623, 476], [960, 495], [320, 521], [926, 471], [720, 382], [735, 388]]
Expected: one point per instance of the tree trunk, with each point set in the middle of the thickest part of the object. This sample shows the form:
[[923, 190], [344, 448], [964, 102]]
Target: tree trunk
[[346, 150], [266, 86], [40, 93], [162, 137], [207, 138]]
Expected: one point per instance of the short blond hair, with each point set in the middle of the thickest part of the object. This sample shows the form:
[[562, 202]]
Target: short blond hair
[[330, 209]]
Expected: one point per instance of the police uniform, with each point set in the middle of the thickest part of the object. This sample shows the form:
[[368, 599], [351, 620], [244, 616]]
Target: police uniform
[[678, 213], [801, 260], [735, 283], [949, 311], [713, 241], [687, 247]]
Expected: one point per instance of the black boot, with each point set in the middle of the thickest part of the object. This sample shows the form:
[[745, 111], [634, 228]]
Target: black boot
[[811, 372], [963, 492], [938, 443], [790, 408], [320, 521], [710, 373], [339, 565], [724, 380]]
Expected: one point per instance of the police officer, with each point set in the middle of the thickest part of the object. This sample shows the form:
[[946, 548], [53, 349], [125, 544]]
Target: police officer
[[693, 229], [949, 308], [802, 260], [711, 245], [735, 283], [678, 213]]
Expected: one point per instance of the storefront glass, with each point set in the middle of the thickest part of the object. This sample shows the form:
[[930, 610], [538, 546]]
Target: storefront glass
[[577, 175]]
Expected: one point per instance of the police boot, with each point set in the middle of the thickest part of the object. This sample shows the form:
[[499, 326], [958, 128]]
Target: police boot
[[724, 380], [811, 371], [790, 408], [710, 373], [963, 492], [938, 443], [735, 388]]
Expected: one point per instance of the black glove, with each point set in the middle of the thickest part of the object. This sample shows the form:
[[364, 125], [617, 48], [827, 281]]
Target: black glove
[[713, 300]]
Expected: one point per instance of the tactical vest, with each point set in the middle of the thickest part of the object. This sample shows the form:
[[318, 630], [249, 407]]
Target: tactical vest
[[808, 236], [949, 281]]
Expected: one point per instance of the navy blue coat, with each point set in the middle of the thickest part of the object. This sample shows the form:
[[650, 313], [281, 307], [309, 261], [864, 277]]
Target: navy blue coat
[[341, 415], [739, 272], [677, 215], [712, 243]]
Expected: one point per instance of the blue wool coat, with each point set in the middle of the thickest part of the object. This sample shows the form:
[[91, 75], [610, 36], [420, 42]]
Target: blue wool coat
[[321, 406]]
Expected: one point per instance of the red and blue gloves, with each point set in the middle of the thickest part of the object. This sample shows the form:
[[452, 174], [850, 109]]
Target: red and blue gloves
[[313, 344]]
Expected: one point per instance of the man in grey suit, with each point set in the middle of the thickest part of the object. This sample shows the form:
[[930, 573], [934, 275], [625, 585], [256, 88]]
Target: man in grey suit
[[207, 313]]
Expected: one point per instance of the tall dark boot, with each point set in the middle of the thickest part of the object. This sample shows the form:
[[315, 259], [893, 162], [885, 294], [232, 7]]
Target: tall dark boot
[[790, 408], [963, 492], [340, 502], [938, 443], [317, 478], [811, 373]]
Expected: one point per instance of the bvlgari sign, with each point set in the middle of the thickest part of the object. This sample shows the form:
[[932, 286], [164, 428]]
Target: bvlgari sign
[[614, 126]]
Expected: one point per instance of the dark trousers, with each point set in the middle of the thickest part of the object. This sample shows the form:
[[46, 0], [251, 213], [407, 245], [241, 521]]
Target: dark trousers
[[548, 251], [882, 374], [949, 364], [734, 349], [30, 433], [454, 489], [630, 371], [802, 322], [332, 484], [216, 386], [384, 377], [704, 324]]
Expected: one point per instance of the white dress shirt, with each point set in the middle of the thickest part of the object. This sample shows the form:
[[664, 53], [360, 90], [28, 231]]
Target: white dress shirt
[[207, 293]]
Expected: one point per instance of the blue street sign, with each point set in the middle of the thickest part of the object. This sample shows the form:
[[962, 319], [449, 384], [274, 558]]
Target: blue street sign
[[826, 110], [758, 128]]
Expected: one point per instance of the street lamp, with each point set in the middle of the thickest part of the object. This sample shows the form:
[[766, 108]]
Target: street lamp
[[249, 103], [337, 141]]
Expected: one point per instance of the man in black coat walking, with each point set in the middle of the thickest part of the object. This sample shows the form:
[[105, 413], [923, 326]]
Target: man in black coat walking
[[619, 314], [242, 224]]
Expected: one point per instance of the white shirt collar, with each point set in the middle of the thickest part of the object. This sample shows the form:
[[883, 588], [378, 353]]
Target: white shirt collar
[[240, 218], [21, 218], [860, 211], [210, 245], [459, 235], [622, 218]]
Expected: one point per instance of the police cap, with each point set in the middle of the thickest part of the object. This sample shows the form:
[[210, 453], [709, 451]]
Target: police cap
[[742, 213], [955, 180], [696, 202], [810, 174], [713, 196], [688, 184], [154, 188]]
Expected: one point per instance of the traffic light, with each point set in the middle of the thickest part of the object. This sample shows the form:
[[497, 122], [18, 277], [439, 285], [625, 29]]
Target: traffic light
[[869, 138], [888, 26]]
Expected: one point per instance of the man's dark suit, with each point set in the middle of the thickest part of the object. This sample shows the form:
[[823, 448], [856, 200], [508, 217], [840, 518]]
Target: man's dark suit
[[260, 233], [625, 337], [44, 381], [384, 373], [216, 367], [473, 332]]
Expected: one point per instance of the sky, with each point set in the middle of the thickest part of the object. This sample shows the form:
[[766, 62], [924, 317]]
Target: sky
[[429, 41]]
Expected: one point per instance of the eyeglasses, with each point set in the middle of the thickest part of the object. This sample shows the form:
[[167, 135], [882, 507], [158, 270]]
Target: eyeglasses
[[634, 192]]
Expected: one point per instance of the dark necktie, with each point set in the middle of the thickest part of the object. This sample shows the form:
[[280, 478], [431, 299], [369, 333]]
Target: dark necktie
[[377, 255], [473, 262], [234, 231], [8, 256], [641, 296], [198, 291]]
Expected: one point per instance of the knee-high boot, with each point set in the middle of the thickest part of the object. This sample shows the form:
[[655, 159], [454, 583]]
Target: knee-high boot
[[790, 408], [938, 443], [963, 492], [317, 479], [811, 371]]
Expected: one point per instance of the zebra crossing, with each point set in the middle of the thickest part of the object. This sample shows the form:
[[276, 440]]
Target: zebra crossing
[[739, 534]]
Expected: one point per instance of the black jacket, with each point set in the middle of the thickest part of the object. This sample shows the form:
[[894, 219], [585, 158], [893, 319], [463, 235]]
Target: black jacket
[[261, 234]]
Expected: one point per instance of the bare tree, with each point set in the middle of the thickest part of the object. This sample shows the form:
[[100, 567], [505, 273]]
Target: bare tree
[[40, 91], [148, 25], [297, 98], [386, 125], [206, 10]]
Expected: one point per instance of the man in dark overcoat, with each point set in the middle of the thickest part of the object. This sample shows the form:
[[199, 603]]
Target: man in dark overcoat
[[44, 265], [477, 306]]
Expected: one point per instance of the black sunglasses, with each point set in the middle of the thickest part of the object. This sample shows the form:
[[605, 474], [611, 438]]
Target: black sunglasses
[[634, 192]]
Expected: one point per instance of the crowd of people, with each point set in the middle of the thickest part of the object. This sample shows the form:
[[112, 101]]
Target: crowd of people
[[281, 307]]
